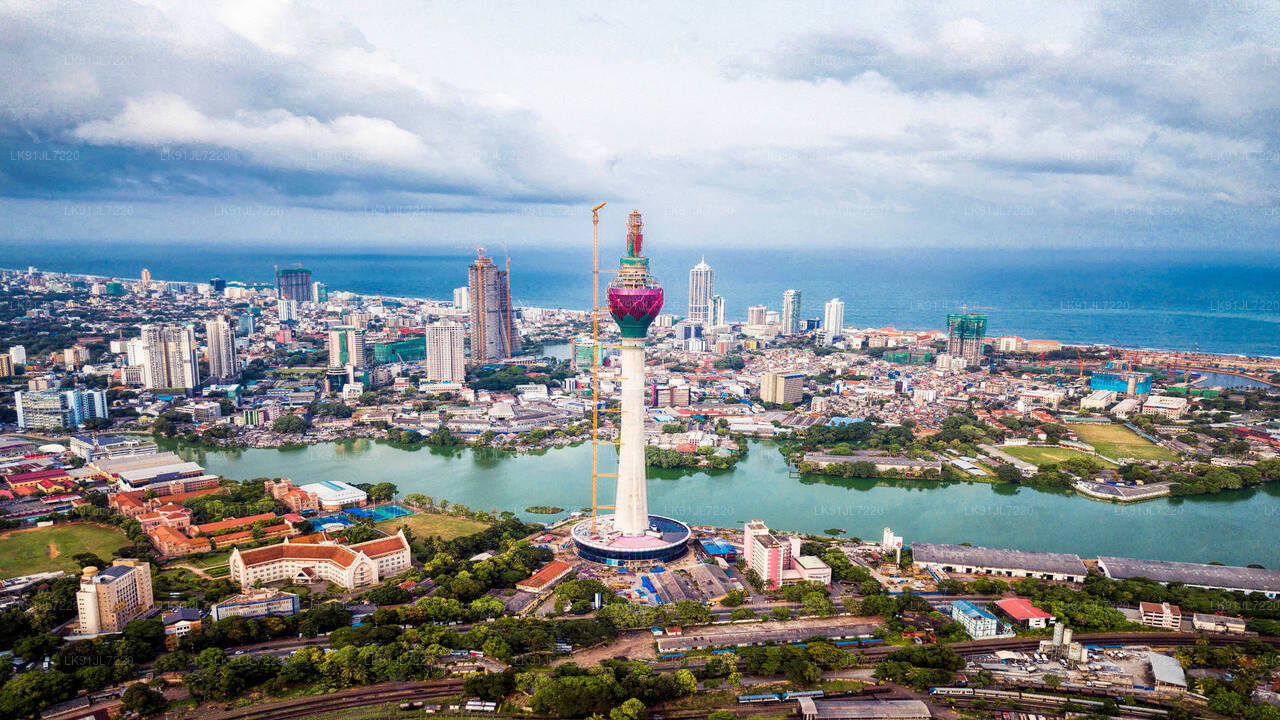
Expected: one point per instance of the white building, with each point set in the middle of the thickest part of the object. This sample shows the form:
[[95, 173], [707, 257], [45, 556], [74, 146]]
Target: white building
[[462, 299], [1166, 406], [335, 494], [349, 566], [287, 310], [110, 599], [701, 289], [833, 320], [220, 340], [755, 315], [167, 356], [58, 409], [790, 312], [445, 359]]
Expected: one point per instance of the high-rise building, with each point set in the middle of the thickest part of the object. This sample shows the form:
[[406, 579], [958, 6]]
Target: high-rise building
[[755, 314], [444, 352], [294, 284], [965, 332], [167, 355], [18, 354], [790, 312], [493, 330], [110, 599], [217, 284], [782, 387], [58, 409], [702, 281], [631, 535], [245, 324], [346, 347], [287, 310], [145, 275], [319, 293], [462, 299], [717, 310], [6, 365], [222, 349], [833, 320]]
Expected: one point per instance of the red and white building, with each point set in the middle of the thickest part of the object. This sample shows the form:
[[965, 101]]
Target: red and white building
[[349, 566], [1024, 613], [778, 560], [1161, 615]]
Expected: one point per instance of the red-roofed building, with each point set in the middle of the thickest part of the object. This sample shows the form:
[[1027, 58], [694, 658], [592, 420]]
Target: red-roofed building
[[42, 481], [543, 580], [1024, 613], [349, 566]]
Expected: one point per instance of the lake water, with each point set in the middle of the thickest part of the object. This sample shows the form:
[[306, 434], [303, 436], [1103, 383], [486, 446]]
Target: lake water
[[1237, 528]]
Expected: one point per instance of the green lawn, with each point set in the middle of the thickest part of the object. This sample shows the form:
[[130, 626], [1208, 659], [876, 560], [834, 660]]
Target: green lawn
[[1118, 441], [43, 549], [428, 524], [1048, 455], [221, 557]]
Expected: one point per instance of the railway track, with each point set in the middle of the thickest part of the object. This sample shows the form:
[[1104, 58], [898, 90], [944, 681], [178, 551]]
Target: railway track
[[1162, 639], [315, 705]]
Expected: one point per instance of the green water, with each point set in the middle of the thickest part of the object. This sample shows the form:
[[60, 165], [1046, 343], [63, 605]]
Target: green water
[[1237, 528]]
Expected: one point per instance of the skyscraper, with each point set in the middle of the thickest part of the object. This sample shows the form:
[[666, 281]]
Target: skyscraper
[[790, 312], [755, 315], [346, 347], [717, 310], [444, 352], [18, 354], [965, 333], [493, 331], [58, 409], [287, 310], [145, 276], [167, 355], [319, 292], [702, 283], [294, 284], [462, 299], [833, 320], [222, 349]]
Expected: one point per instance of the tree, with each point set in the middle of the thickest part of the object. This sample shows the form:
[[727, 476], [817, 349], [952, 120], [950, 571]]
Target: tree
[[1008, 474], [143, 700], [291, 424], [630, 709]]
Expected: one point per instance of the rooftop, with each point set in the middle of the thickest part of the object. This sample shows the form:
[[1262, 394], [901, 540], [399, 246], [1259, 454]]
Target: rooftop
[[1219, 576], [998, 558], [1021, 609]]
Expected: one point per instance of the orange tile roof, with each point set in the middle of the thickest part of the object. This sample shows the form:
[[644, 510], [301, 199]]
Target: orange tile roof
[[547, 575], [229, 523], [381, 546], [289, 551]]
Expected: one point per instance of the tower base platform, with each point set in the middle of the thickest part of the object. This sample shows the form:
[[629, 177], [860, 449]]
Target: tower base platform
[[666, 540]]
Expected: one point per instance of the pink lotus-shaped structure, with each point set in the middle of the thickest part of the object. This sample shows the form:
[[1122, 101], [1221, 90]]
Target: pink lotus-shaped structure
[[634, 308]]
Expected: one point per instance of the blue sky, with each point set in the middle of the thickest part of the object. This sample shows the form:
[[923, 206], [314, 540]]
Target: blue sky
[[788, 124]]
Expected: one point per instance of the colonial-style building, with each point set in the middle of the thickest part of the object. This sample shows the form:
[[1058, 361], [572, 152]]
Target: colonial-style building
[[349, 566]]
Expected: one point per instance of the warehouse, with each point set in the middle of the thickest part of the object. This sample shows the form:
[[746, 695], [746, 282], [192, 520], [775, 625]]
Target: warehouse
[[997, 561], [863, 709], [1219, 577]]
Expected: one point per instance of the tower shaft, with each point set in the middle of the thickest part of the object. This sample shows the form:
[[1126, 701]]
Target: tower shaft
[[632, 505]]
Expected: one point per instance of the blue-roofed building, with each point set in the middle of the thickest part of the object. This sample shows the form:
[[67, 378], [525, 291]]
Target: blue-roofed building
[[718, 548], [1123, 382], [979, 623]]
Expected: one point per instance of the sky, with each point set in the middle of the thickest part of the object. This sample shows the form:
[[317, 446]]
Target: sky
[[443, 125]]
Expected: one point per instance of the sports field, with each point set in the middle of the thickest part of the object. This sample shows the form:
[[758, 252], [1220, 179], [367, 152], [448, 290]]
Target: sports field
[[1049, 455], [1118, 441], [42, 549], [428, 524]]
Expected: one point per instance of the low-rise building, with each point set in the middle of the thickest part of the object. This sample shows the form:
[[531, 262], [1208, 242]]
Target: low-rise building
[[335, 495], [1166, 406], [1218, 577], [546, 577], [349, 566], [979, 623], [1021, 611], [256, 603], [998, 561], [1161, 615], [1218, 623], [179, 624]]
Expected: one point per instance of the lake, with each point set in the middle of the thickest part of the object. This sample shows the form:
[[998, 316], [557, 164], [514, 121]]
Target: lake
[[1237, 527]]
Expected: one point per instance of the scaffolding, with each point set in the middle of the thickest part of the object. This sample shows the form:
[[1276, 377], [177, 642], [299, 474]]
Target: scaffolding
[[596, 357]]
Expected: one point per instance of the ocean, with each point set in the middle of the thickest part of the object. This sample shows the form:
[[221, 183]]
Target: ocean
[[1212, 301]]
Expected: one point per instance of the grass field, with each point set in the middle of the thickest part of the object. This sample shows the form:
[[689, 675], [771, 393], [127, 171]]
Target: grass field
[[43, 549], [428, 524], [1118, 441], [1049, 455]]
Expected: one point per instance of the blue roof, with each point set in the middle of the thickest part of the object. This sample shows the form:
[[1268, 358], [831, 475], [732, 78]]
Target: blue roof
[[971, 610]]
